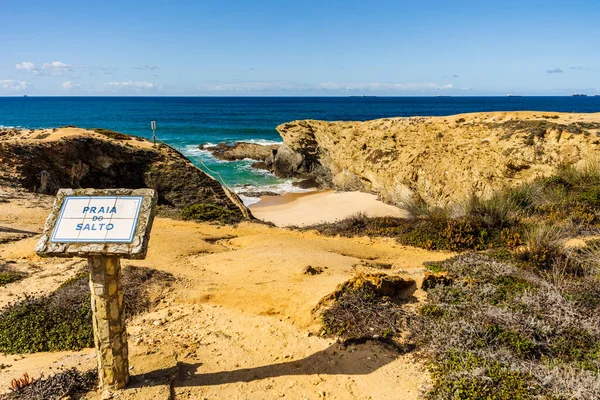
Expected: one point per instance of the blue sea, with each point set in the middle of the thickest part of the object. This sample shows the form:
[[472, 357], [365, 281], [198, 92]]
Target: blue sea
[[187, 122]]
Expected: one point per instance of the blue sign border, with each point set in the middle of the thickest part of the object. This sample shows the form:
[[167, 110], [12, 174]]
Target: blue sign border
[[76, 240]]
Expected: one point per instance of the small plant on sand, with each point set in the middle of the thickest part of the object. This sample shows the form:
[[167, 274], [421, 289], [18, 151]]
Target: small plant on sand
[[7, 276], [209, 212], [68, 384], [112, 134]]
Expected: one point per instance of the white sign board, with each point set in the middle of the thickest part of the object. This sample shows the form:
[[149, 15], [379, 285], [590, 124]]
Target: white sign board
[[97, 219]]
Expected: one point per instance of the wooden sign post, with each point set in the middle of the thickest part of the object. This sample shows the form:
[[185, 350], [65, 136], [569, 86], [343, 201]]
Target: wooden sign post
[[102, 226]]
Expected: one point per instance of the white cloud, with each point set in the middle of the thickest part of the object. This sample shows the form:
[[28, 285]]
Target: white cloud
[[11, 84], [250, 86], [57, 66], [139, 85], [27, 66], [261, 86], [70, 85], [385, 86]]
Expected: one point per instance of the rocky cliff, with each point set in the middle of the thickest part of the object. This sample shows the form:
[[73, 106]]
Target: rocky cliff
[[440, 159], [43, 161]]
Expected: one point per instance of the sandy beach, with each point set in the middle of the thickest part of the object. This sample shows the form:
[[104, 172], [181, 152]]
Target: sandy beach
[[305, 209]]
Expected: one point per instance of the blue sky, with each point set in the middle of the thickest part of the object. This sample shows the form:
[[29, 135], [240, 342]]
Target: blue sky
[[243, 48]]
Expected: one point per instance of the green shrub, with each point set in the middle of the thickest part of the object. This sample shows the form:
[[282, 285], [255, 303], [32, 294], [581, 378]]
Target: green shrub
[[209, 212], [112, 134], [449, 234], [467, 376], [523, 347], [7, 277], [499, 211], [63, 319]]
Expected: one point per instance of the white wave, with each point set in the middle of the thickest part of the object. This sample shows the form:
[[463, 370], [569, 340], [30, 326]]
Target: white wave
[[192, 150], [246, 166], [263, 142], [248, 201], [279, 188]]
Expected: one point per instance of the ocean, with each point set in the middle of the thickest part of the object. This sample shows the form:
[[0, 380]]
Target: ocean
[[187, 122]]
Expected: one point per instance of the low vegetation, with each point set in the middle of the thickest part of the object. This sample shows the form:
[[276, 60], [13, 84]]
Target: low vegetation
[[8, 276], [569, 201], [496, 328], [517, 316], [63, 319], [368, 306], [209, 212], [112, 134]]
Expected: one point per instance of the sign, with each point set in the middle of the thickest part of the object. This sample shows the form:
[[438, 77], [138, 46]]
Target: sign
[[108, 219], [103, 225], [153, 124], [96, 222]]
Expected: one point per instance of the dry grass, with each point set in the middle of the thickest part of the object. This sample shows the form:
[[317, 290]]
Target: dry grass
[[69, 384], [368, 306]]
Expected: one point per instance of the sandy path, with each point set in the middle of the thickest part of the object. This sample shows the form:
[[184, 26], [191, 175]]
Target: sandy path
[[237, 324], [304, 209]]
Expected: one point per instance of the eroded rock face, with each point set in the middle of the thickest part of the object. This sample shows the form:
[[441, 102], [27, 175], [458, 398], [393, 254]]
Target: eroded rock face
[[44, 161], [441, 159], [240, 151]]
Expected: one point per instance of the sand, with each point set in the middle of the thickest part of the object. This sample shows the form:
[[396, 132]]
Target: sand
[[237, 323], [304, 209]]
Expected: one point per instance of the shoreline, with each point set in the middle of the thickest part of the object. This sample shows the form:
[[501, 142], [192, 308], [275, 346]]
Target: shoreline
[[320, 206]]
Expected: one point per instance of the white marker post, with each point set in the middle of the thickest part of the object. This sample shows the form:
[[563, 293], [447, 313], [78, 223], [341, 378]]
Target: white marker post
[[103, 226], [153, 125]]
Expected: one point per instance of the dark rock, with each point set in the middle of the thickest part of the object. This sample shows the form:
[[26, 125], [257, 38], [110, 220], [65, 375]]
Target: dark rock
[[308, 183], [286, 162], [240, 151]]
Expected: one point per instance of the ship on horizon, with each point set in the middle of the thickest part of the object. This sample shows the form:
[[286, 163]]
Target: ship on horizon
[[579, 95]]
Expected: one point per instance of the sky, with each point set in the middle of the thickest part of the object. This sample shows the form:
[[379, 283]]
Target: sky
[[299, 48]]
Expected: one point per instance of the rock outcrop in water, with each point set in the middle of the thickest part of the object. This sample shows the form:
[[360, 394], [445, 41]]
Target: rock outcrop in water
[[440, 159], [240, 151], [44, 161]]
